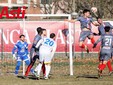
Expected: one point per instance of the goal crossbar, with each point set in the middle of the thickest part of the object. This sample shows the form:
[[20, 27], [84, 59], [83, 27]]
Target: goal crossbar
[[70, 43]]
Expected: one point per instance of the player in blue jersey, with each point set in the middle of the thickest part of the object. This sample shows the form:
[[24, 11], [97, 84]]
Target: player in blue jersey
[[21, 47], [106, 49], [46, 53]]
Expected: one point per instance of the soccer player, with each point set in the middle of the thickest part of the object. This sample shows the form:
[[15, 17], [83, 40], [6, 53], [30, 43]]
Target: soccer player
[[34, 53], [46, 52], [22, 53], [102, 25], [106, 49], [85, 22], [102, 32]]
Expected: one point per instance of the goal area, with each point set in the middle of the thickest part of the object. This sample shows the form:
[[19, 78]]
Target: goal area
[[62, 62]]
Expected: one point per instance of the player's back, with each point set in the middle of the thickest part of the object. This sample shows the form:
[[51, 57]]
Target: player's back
[[36, 39], [107, 40], [48, 44]]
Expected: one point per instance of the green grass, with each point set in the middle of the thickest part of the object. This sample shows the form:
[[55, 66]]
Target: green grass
[[85, 73]]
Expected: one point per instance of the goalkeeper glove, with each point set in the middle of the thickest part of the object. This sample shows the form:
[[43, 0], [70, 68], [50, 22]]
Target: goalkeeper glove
[[14, 57]]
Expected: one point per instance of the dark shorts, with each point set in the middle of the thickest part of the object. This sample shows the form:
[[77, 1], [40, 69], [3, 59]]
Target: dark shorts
[[32, 51], [84, 35], [105, 54]]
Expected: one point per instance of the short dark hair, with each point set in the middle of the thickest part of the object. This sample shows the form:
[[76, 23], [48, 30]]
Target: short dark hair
[[86, 10], [107, 28], [39, 30], [52, 35], [21, 36], [43, 29], [99, 17]]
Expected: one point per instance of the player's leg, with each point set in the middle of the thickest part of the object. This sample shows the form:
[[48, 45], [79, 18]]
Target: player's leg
[[109, 67], [101, 68], [48, 68], [32, 61], [101, 62], [106, 57], [18, 64], [37, 70], [91, 37], [29, 68], [109, 64], [43, 69], [83, 36], [27, 62], [47, 62]]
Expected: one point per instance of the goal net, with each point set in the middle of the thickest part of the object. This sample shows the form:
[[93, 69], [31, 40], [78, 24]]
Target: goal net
[[62, 63]]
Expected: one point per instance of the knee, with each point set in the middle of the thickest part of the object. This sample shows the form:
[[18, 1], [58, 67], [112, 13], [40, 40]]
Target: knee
[[27, 62], [91, 37], [18, 63], [80, 44], [47, 63]]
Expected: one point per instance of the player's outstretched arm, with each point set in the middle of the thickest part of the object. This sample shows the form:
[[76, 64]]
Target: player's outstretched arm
[[72, 21], [95, 23], [95, 44], [13, 52], [14, 49]]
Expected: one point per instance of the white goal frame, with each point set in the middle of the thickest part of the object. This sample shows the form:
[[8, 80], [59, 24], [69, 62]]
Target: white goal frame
[[70, 33]]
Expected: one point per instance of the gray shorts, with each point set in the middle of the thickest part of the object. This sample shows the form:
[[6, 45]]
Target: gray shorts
[[84, 35], [112, 53], [33, 52], [105, 54]]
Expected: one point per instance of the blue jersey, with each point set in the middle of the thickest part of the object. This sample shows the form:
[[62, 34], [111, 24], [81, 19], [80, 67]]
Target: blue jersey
[[85, 22], [21, 48], [101, 28]]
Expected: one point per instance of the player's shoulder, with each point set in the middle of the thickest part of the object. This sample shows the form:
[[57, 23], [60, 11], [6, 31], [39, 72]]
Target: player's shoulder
[[25, 42], [80, 18], [37, 36], [47, 38], [18, 42], [107, 35], [106, 23], [111, 35]]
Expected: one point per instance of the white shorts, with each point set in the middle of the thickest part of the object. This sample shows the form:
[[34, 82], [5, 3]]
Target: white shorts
[[44, 55]]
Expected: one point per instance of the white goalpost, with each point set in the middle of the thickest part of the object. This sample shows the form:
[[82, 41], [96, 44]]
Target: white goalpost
[[70, 33]]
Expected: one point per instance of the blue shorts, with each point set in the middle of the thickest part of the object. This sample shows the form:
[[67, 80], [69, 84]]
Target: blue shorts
[[22, 57]]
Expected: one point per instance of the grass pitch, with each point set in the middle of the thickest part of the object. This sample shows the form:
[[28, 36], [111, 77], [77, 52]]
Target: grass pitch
[[85, 73]]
